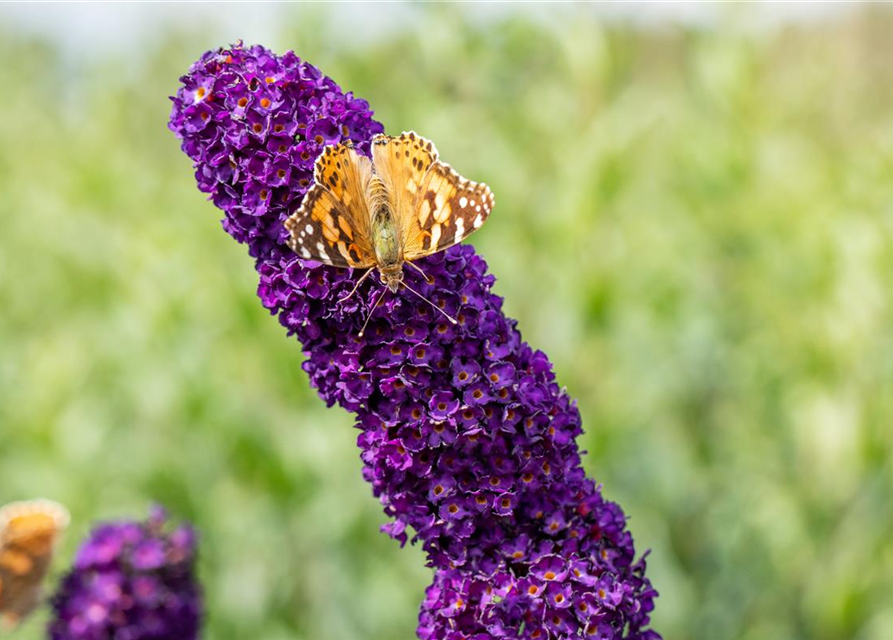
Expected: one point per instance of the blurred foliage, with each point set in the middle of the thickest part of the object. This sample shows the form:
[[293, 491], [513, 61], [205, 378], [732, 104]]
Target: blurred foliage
[[695, 223]]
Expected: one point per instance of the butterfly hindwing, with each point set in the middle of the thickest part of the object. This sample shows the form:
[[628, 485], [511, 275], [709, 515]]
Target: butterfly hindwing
[[332, 225], [28, 534], [448, 209]]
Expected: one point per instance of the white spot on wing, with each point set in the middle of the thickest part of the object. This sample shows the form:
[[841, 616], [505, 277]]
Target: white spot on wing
[[424, 211], [463, 201], [435, 236], [342, 249], [460, 229], [309, 228], [478, 221], [304, 253], [322, 252]]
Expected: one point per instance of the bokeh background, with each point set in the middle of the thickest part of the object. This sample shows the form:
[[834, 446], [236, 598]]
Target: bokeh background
[[694, 220]]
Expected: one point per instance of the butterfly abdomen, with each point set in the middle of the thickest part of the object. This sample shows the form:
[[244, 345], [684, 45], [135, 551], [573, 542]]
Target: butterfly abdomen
[[377, 195]]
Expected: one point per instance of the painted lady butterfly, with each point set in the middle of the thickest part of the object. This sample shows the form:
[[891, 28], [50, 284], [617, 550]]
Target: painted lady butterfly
[[28, 533], [401, 205]]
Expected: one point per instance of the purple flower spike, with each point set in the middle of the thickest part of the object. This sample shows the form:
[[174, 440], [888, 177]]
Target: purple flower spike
[[466, 437], [131, 580]]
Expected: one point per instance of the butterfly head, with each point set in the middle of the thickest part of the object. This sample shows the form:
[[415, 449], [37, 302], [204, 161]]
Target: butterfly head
[[392, 278]]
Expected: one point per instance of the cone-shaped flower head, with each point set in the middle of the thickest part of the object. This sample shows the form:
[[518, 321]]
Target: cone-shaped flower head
[[465, 435], [131, 580]]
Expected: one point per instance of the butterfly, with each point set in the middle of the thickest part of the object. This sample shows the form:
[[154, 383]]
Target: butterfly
[[401, 205], [29, 532]]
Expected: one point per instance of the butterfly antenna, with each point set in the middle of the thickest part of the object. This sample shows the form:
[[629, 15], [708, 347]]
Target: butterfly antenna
[[374, 307], [356, 286], [448, 316], [419, 269]]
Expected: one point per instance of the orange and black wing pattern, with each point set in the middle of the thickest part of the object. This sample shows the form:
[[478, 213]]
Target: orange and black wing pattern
[[332, 225], [435, 206]]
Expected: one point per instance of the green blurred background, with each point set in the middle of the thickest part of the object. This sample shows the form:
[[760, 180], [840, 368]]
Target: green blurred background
[[694, 220]]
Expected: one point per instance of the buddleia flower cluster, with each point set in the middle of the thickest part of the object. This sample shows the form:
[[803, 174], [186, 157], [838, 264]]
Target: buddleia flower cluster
[[465, 436], [131, 581]]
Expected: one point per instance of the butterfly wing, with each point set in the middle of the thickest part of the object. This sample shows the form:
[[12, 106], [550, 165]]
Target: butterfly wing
[[448, 209], [402, 162], [435, 206], [28, 534], [332, 225]]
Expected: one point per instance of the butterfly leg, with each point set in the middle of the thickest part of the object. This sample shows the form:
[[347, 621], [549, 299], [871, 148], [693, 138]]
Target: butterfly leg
[[357, 285], [374, 307], [419, 269]]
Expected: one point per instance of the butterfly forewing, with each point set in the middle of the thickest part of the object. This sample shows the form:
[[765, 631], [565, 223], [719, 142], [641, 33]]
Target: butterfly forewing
[[28, 533], [332, 225], [448, 209]]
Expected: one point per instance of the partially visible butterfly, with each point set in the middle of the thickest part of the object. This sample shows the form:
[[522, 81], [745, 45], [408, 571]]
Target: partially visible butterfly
[[29, 532], [401, 205]]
